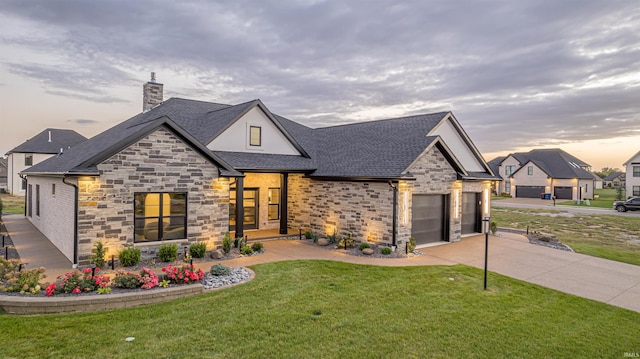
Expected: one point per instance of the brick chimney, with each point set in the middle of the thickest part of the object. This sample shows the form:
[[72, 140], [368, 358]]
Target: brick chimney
[[151, 94]]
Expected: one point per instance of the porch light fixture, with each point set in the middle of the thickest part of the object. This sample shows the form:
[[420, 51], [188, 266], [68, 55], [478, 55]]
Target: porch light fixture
[[456, 203]]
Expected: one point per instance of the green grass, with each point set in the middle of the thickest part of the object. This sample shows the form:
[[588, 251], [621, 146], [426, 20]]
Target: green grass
[[606, 198], [12, 204], [606, 236], [321, 309]]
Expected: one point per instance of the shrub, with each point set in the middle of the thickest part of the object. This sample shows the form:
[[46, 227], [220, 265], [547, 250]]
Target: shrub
[[308, 235], [347, 242], [185, 274], [168, 252], [1, 207], [412, 244], [198, 249], [246, 250], [333, 237], [226, 243], [77, 282], [364, 245], [238, 242], [24, 281], [129, 257], [219, 270], [493, 227], [257, 247], [126, 280], [385, 250], [98, 254]]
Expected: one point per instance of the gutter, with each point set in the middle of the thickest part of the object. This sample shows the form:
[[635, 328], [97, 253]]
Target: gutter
[[75, 220], [394, 224]]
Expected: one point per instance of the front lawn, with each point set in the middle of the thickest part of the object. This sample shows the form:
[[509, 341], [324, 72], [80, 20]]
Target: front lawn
[[606, 236], [606, 197], [322, 309]]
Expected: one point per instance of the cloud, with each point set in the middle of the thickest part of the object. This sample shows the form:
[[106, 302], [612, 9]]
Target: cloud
[[83, 121], [514, 73]]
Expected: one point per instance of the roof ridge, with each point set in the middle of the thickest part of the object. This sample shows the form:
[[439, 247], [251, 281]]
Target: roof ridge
[[382, 120]]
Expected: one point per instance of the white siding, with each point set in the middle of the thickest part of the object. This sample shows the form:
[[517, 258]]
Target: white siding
[[502, 171], [15, 165], [236, 137], [56, 219], [458, 146], [630, 180]]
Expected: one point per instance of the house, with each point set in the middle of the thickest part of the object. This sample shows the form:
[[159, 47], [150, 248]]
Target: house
[[599, 182], [40, 147], [614, 180], [3, 175], [632, 177], [543, 171], [184, 171]]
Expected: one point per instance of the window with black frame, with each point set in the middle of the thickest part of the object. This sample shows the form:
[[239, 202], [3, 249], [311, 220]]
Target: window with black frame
[[160, 216], [274, 203]]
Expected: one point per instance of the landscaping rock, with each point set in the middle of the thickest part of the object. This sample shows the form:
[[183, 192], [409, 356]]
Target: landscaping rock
[[367, 251], [546, 237], [323, 242], [217, 254]]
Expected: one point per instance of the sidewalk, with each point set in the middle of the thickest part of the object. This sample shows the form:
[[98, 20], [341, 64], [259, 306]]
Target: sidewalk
[[509, 254]]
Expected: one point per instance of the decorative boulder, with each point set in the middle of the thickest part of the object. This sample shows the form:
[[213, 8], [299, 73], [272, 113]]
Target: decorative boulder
[[367, 251], [217, 254], [546, 237], [323, 242]]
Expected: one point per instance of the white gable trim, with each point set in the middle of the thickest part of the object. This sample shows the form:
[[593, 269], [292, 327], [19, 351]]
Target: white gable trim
[[460, 144], [236, 137]]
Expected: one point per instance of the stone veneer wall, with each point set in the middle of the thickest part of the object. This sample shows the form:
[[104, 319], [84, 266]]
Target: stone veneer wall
[[160, 162], [434, 175], [362, 208]]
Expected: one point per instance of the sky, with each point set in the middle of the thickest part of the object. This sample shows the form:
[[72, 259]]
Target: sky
[[517, 75]]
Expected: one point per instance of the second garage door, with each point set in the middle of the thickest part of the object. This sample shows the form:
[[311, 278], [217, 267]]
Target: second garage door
[[429, 218], [529, 191], [563, 192]]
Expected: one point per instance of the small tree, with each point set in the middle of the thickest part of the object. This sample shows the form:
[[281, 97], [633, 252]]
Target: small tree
[[98, 254], [619, 194]]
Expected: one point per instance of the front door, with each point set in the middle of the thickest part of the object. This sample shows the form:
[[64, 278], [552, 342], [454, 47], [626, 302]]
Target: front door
[[250, 208]]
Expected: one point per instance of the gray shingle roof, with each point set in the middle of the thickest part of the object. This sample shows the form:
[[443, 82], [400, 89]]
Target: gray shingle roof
[[40, 143], [494, 164], [613, 176], [373, 150], [555, 162]]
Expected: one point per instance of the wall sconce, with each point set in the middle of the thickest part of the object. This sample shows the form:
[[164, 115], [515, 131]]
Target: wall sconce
[[456, 203]]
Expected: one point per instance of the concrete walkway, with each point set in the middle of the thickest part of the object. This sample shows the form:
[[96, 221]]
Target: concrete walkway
[[509, 254]]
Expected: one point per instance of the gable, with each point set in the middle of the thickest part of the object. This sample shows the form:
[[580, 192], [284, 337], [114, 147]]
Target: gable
[[236, 138], [463, 151]]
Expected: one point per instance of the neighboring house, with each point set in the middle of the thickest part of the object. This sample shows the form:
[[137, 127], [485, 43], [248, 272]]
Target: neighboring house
[[546, 171], [42, 146], [186, 171], [633, 176], [3, 175], [614, 180], [599, 182]]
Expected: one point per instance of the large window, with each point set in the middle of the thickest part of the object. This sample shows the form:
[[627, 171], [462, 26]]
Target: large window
[[160, 216], [636, 171], [255, 136], [274, 203], [508, 170], [28, 159], [29, 200], [636, 191]]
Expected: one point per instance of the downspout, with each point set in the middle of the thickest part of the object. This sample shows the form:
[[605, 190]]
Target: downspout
[[25, 194], [75, 220], [394, 224]]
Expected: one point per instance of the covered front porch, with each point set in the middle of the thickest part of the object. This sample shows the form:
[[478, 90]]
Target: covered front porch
[[261, 200]]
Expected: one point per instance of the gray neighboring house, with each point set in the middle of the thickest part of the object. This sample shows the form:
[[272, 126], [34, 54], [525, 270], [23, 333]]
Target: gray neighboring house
[[632, 177], [3, 175], [614, 180], [38, 148], [184, 171], [553, 172]]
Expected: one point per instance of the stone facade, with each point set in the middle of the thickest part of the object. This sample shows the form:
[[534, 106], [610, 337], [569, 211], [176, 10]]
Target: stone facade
[[363, 209], [161, 162]]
